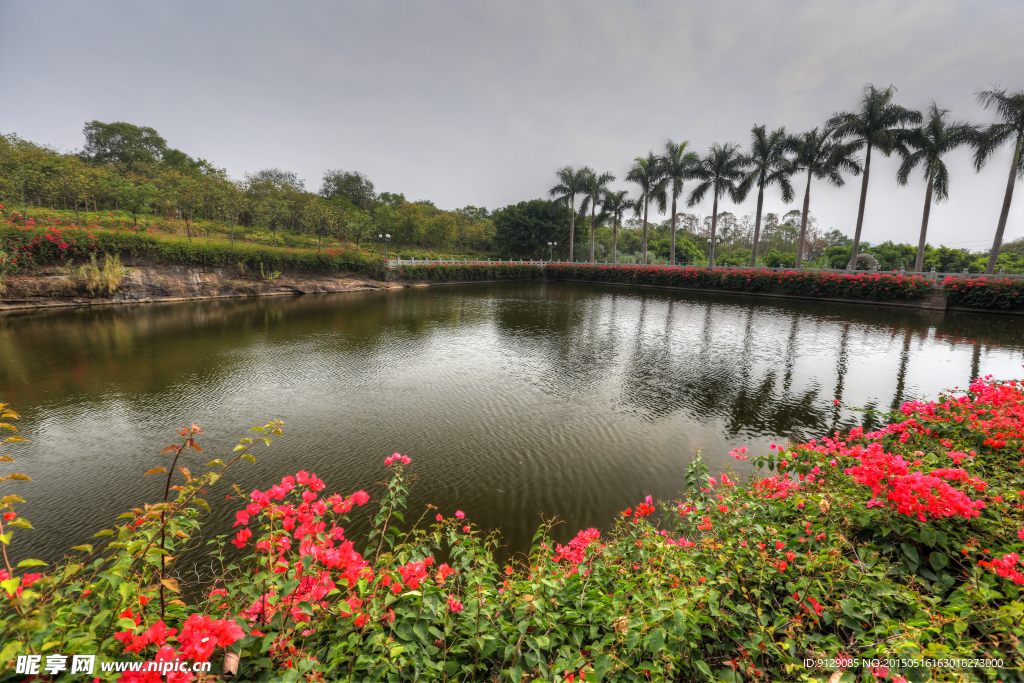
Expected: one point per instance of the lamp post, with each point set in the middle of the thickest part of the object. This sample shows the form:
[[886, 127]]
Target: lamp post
[[551, 246], [386, 239]]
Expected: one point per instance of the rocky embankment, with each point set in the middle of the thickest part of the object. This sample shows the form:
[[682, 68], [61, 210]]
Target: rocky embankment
[[153, 283]]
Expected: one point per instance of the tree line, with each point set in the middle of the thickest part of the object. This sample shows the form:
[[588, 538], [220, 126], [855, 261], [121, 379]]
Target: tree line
[[774, 158], [124, 167]]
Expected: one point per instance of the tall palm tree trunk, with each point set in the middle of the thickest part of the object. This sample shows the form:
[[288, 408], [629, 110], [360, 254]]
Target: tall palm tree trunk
[[672, 247], [572, 227], [593, 209], [757, 225], [615, 242], [803, 223], [1006, 207], [714, 227], [919, 261], [645, 231], [860, 211]]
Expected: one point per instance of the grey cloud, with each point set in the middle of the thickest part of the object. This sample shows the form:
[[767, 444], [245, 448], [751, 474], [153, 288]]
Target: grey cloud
[[478, 103]]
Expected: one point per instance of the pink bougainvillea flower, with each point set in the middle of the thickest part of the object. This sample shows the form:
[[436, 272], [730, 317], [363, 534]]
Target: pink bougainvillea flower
[[459, 514]]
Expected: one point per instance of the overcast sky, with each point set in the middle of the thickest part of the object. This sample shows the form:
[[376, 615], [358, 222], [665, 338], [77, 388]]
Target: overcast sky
[[480, 102]]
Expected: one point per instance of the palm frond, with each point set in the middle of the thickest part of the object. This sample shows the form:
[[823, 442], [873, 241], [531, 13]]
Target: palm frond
[[697, 194], [941, 182]]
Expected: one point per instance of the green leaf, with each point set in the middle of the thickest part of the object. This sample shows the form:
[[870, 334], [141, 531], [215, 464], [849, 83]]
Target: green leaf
[[85, 548], [602, 665], [910, 551], [105, 532], [928, 537], [516, 674], [938, 560], [31, 563], [250, 458], [202, 503], [126, 623], [215, 462], [10, 650], [656, 641], [703, 666], [21, 523]]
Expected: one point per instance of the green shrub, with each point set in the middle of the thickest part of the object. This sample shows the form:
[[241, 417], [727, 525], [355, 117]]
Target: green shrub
[[850, 553], [470, 271], [57, 245], [875, 286], [988, 292]]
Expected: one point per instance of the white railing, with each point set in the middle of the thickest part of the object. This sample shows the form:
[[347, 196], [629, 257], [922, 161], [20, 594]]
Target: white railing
[[394, 263], [931, 275]]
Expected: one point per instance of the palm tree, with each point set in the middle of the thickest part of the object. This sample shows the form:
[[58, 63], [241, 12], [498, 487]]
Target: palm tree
[[648, 174], [823, 158], [930, 142], [721, 170], [770, 164], [1010, 108], [570, 184], [615, 205], [878, 123], [596, 187], [677, 165]]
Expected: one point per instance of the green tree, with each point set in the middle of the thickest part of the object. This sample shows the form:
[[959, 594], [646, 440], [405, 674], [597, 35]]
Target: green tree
[[352, 185], [930, 142], [134, 197], [319, 215], [1010, 107], [74, 183], [524, 229], [594, 189], [272, 194], [615, 205], [122, 143], [770, 163], [570, 183], [677, 164], [189, 194], [721, 171], [880, 124], [649, 174], [824, 158], [361, 225]]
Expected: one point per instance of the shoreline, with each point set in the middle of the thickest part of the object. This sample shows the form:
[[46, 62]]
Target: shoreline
[[172, 284]]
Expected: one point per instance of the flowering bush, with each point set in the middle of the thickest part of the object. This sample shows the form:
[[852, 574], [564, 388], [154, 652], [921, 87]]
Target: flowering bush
[[1004, 293], [875, 286], [32, 245], [900, 543], [470, 271]]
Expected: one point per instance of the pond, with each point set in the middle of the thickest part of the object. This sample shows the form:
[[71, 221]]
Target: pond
[[515, 401]]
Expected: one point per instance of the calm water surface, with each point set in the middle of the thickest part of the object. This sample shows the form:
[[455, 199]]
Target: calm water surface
[[514, 400]]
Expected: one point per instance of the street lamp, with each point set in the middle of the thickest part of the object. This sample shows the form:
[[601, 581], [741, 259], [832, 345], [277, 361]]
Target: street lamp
[[711, 251], [386, 239], [551, 246]]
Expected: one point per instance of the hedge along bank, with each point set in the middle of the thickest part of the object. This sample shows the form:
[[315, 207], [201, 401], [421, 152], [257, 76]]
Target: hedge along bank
[[32, 246], [1001, 293], [874, 286], [890, 555], [443, 272]]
